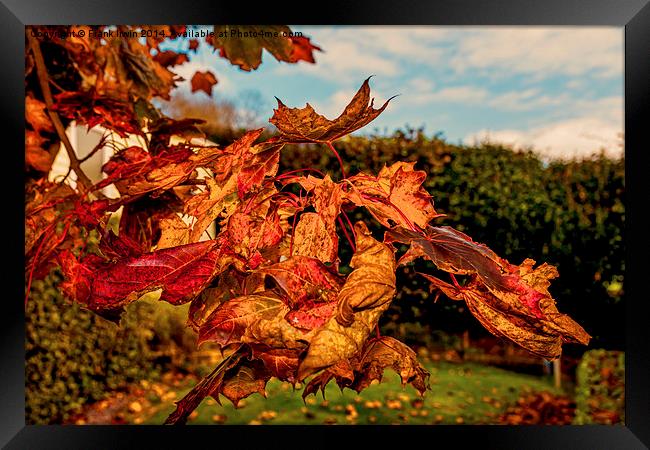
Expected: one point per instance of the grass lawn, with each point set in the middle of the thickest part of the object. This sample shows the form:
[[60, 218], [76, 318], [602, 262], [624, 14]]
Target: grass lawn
[[460, 394]]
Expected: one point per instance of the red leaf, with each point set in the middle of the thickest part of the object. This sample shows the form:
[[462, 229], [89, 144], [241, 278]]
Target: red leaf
[[169, 58], [303, 278], [203, 81], [303, 49], [181, 272]]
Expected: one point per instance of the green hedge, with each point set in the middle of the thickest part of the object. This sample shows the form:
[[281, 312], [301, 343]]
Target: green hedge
[[600, 390], [74, 357]]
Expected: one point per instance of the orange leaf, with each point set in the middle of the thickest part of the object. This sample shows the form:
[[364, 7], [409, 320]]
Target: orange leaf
[[203, 81], [301, 125]]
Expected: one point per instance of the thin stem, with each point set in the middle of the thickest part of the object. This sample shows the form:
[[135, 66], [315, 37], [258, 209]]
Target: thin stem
[[43, 80], [329, 144], [347, 236]]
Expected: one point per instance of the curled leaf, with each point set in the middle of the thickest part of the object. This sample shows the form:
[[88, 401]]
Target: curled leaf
[[365, 295], [299, 125], [503, 314]]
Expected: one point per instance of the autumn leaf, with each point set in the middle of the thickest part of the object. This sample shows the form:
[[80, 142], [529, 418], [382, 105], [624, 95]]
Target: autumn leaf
[[303, 125], [282, 363], [303, 49], [203, 81], [395, 196], [169, 58], [384, 352], [504, 315], [35, 155], [229, 321], [36, 116], [303, 278], [180, 272], [207, 386], [366, 294], [248, 378], [453, 251], [242, 45]]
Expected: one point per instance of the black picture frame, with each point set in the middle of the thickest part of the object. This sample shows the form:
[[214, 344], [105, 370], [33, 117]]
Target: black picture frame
[[633, 15]]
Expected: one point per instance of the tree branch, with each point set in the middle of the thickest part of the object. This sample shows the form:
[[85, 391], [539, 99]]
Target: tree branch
[[43, 80]]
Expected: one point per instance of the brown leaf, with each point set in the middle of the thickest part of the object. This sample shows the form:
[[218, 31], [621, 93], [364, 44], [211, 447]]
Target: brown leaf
[[242, 45], [298, 125], [203, 81], [280, 362], [35, 155], [244, 380], [169, 58], [312, 238], [174, 232], [209, 385], [504, 315], [384, 352], [36, 116]]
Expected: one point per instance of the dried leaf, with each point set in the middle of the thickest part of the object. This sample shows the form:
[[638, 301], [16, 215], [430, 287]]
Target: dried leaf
[[298, 125], [365, 295], [180, 272], [242, 45], [384, 352], [36, 116], [302, 278], [229, 321], [203, 81], [504, 315]]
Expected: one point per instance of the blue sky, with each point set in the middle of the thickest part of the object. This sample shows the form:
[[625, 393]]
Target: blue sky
[[558, 89]]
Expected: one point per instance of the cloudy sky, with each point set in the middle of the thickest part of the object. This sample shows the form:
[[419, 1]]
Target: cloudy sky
[[557, 89]]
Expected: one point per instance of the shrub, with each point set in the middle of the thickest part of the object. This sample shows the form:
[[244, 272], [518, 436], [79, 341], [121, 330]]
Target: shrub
[[74, 357], [600, 390]]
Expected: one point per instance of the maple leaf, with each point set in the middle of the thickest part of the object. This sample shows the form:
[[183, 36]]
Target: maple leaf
[[229, 321], [169, 58], [303, 49], [365, 295], [91, 108], [180, 272], [35, 155], [304, 125], [503, 314], [395, 196], [369, 365], [36, 116], [282, 363], [242, 45], [453, 251], [303, 278], [203, 81], [315, 234], [381, 353]]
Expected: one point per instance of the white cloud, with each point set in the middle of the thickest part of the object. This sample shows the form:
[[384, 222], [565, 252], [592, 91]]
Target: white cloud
[[571, 138], [541, 51]]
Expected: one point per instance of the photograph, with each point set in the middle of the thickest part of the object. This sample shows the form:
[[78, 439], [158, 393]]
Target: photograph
[[325, 225]]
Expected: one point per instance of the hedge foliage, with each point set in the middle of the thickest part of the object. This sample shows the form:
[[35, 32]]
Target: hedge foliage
[[74, 357], [600, 390], [569, 214]]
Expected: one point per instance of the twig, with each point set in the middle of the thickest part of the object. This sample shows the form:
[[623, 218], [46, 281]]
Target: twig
[[43, 79]]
